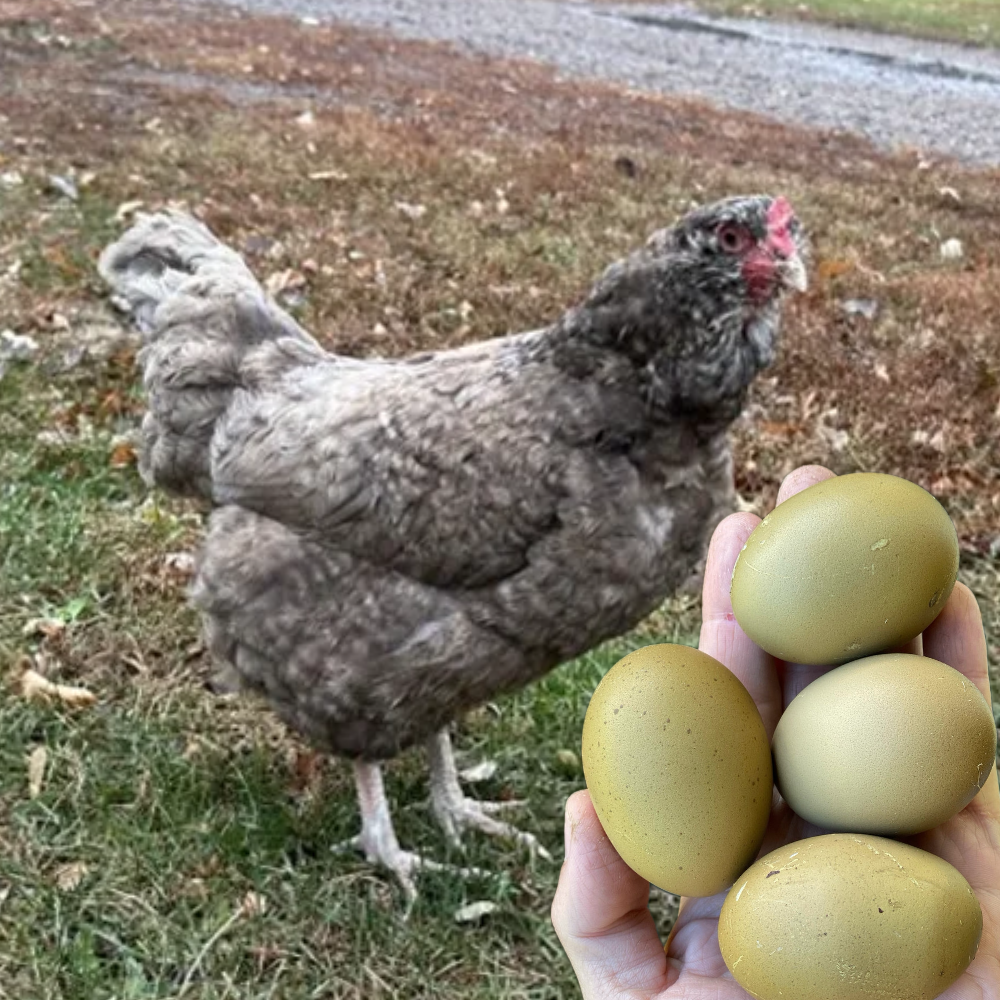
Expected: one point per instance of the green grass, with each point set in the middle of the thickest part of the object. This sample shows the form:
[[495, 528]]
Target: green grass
[[975, 21]]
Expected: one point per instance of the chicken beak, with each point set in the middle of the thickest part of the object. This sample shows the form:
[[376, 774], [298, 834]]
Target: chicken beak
[[792, 273]]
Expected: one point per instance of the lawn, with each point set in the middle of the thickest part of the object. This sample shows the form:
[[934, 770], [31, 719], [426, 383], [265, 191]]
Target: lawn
[[973, 21], [396, 196]]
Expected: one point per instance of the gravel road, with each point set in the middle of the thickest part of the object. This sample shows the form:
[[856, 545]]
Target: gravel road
[[939, 97]]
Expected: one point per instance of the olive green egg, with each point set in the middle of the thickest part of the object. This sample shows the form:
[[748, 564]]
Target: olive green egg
[[849, 917], [893, 744], [852, 566], [678, 766]]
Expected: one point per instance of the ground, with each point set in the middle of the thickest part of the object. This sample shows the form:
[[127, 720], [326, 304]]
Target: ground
[[164, 842]]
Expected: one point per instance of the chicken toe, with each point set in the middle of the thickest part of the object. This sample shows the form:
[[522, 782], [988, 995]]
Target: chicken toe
[[456, 812], [377, 840]]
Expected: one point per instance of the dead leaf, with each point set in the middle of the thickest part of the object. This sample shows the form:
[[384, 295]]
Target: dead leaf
[[307, 771], [254, 904], [69, 877], [779, 429], [328, 175], [123, 455], [51, 628], [474, 912], [952, 249], [829, 268], [411, 211], [282, 281], [35, 687], [180, 563], [37, 761], [480, 772]]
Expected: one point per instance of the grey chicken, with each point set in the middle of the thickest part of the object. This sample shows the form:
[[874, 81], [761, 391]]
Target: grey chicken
[[397, 541]]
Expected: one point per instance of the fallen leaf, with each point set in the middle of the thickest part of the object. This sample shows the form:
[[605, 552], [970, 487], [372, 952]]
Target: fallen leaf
[[474, 912], [411, 211], [69, 877], [38, 759], [65, 186], [181, 563], [779, 429], [122, 455], [35, 687], [952, 250], [479, 772], [307, 771], [866, 308], [282, 281], [17, 346], [829, 268], [254, 904], [51, 628]]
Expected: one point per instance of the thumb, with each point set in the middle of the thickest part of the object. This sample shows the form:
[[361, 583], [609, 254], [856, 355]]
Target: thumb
[[601, 914]]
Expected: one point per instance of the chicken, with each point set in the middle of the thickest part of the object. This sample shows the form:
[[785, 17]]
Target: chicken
[[397, 541]]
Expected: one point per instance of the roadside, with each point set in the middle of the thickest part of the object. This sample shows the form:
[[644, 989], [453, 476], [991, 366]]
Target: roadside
[[941, 97], [975, 22]]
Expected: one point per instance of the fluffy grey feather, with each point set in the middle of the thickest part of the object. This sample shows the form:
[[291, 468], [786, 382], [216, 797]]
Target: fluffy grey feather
[[396, 541]]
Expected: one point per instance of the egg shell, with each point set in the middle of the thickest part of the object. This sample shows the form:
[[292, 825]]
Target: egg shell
[[849, 917], [852, 566], [678, 764], [893, 744]]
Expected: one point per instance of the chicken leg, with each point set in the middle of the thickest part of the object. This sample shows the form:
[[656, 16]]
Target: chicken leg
[[455, 812], [377, 840]]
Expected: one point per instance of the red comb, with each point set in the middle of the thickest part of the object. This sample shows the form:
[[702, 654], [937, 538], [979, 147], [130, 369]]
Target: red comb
[[779, 216]]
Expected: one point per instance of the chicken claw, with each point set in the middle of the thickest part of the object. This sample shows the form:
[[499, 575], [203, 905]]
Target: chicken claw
[[377, 840], [456, 812]]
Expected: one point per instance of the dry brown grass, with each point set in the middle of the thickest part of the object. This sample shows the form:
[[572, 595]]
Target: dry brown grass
[[210, 119]]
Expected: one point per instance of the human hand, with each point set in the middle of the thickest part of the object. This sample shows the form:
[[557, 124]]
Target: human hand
[[600, 910]]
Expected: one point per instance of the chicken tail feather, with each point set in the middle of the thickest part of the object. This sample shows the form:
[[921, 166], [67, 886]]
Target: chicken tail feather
[[209, 331]]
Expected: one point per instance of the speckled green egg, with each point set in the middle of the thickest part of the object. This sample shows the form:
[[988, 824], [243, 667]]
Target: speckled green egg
[[678, 766], [892, 744], [852, 566], [849, 917]]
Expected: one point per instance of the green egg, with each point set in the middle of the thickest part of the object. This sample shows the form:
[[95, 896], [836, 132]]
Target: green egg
[[678, 765], [849, 917], [852, 566]]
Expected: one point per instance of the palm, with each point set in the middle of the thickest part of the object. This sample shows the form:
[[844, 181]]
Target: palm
[[600, 910]]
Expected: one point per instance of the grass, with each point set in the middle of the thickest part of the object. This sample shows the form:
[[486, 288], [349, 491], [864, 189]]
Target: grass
[[179, 844], [971, 21]]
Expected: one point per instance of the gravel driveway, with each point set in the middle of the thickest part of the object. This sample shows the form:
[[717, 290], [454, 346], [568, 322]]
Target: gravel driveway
[[944, 98]]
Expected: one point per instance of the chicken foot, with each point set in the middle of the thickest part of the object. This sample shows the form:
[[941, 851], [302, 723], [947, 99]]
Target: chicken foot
[[455, 811], [377, 840]]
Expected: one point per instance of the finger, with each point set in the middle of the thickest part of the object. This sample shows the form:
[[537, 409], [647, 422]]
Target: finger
[[601, 914], [721, 635], [801, 479], [956, 637]]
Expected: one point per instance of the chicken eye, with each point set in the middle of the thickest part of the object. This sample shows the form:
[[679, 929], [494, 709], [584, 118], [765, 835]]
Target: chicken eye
[[732, 239]]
